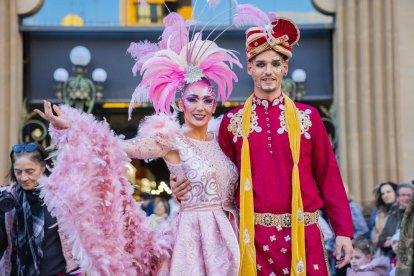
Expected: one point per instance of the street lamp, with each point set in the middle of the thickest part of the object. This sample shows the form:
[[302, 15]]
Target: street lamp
[[77, 90], [295, 87], [299, 77]]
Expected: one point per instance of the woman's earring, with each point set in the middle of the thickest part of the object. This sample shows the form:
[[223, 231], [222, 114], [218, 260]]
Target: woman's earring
[[285, 74]]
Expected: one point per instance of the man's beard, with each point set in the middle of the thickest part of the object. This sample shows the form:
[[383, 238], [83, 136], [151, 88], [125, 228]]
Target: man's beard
[[269, 89]]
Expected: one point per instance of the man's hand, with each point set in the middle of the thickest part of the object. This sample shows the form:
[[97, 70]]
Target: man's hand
[[179, 188], [343, 244]]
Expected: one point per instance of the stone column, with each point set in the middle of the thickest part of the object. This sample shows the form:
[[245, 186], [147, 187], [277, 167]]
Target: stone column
[[11, 74], [11, 81], [371, 42]]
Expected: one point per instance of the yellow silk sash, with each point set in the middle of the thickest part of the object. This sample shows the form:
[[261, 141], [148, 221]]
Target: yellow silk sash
[[246, 237]]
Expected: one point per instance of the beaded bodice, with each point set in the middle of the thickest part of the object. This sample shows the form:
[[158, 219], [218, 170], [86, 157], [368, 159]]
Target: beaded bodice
[[212, 175]]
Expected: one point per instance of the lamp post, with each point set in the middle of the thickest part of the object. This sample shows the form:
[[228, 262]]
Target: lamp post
[[295, 86], [77, 90], [299, 77]]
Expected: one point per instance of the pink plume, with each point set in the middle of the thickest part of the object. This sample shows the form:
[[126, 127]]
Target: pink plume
[[224, 78], [248, 14], [143, 3], [141, 52], [161, 125], [272, 16], [176, 31], [218, 71], [140, 95]]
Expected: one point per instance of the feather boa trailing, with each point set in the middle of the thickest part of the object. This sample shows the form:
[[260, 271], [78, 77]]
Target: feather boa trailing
[[92, 200]]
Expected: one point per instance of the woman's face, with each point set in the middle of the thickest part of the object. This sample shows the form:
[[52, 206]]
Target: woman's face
[[388, 194], [160, 209], [198, 103], [27, 172], [358, 259]]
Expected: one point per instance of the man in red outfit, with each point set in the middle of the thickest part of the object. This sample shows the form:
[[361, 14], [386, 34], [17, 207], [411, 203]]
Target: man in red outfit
[[271, 163]]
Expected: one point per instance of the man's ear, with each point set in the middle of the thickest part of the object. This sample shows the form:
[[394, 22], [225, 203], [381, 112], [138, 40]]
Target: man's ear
[[286, 67], [249, 68]]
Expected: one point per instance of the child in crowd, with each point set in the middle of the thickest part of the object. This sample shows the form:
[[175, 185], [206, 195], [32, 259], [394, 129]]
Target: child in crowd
[[363, 262], [394, 245], [161, 209]]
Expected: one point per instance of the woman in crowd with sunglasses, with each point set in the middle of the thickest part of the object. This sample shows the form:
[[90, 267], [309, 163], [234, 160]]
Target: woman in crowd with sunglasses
[[30, 241]]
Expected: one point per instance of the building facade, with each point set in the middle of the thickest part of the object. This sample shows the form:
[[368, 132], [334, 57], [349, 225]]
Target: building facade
[[360, 61]]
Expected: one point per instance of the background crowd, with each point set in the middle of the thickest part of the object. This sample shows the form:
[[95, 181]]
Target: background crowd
[[376, 231]]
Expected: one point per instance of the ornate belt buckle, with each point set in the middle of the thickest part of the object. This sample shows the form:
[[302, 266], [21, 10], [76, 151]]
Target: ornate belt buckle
[[287, 220], [267, 219]]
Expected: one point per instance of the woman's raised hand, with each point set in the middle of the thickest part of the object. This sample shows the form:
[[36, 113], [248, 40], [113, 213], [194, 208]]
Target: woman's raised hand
[[58, 121]]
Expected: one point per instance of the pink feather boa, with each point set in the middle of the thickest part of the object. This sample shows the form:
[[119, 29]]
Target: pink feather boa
[[92, 200]]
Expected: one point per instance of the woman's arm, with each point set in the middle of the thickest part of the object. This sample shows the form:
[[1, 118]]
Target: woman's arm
[[144, 148]]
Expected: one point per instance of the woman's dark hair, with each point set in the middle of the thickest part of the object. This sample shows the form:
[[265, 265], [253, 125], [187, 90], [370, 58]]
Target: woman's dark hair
[[38, 155], [378, 199], [364, 245]]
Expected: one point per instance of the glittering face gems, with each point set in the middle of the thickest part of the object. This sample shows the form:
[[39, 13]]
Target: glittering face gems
[[267, 70], [198, 103]]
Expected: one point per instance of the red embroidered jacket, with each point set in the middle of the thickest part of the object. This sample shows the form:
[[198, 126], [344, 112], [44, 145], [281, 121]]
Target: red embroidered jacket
[[271, 162]]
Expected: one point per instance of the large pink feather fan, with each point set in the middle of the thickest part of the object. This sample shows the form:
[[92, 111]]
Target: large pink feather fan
[[90, 196], [249, 15], [175, 33]]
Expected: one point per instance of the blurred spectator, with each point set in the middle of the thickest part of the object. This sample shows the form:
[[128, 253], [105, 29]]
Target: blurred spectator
[[160, 214], [385, 199], [404, 196], [360, 225], [363, 262], [358, 220], [147, 204], [394, 245], [405, 264]]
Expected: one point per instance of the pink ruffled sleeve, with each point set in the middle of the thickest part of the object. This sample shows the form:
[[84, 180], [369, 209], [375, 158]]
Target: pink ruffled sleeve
[[90, 196], [156, 137]]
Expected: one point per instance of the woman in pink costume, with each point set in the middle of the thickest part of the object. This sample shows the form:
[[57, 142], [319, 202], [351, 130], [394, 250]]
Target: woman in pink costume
[[91, 159]]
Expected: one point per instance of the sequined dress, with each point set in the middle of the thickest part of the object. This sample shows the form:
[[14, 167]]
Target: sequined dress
[[206, 226], [206, 235]]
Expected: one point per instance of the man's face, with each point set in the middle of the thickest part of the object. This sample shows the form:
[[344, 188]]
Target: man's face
[[267, 70], [404, 197]]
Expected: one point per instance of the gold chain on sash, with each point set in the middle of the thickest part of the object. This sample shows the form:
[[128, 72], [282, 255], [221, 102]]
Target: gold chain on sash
[[246, 237]]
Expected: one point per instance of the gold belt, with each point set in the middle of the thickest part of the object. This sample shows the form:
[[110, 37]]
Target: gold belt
[[283, 220]]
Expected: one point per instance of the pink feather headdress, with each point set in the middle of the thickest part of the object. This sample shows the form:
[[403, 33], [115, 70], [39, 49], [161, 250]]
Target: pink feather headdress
[[179, 59]]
